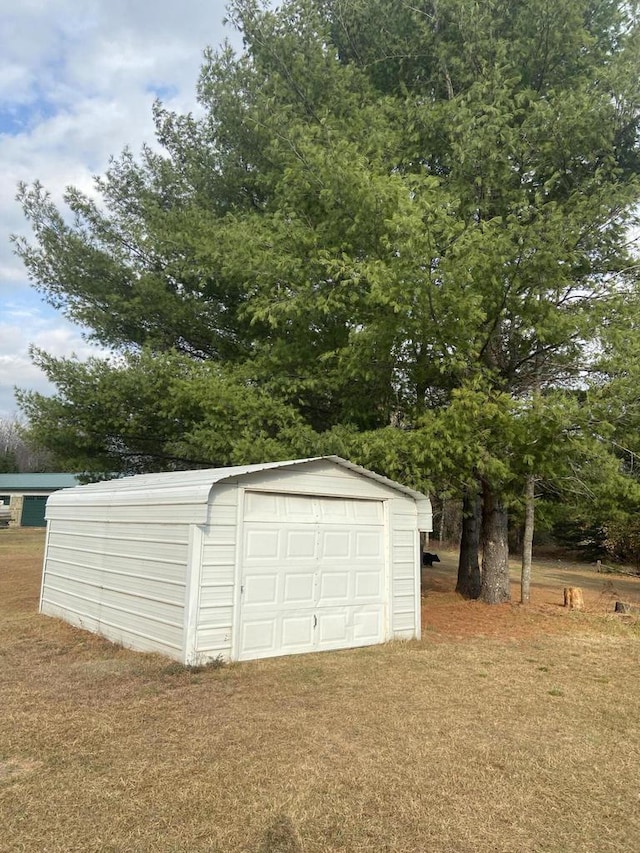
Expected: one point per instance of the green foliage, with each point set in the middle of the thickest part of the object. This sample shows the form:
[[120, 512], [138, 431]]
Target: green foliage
[[622, 540], [398, 232], [154, 412]]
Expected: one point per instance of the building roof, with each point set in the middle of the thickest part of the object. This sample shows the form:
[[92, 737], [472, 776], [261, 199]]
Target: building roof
[[189, 487], [208, 476], [36, 482]]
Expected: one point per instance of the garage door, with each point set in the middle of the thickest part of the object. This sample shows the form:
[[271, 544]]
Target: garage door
[[33, 509], [312, 575]]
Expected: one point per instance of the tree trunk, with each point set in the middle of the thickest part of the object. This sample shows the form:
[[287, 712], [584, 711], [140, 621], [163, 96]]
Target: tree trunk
[[441, 534], [495, 548], [469, 579], [527, 538]]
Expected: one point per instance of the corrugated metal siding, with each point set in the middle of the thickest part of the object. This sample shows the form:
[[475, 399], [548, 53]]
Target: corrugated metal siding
[[151, 562], [217, 579], [405, 571], [184, 513], [123, 580], [318, 477]]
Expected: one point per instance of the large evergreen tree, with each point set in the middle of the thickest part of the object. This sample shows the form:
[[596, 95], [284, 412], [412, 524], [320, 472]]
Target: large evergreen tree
[[394, 226]]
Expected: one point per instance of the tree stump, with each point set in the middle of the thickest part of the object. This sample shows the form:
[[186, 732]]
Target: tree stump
[[573, 599], [627, 609]]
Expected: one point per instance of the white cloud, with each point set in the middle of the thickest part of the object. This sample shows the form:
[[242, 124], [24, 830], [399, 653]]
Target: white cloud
[[77, 83], [24, 324]]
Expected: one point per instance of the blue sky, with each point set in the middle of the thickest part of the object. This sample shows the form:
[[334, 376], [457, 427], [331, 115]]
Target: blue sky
[[77, 82]]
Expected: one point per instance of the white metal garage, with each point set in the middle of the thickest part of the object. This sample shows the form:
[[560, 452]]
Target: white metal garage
[[242, 563]]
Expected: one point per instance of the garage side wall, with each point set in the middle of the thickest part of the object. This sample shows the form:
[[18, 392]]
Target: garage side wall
[[117, 573], [405, 570]]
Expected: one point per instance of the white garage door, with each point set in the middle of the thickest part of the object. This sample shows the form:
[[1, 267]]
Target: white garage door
[[312, 575]]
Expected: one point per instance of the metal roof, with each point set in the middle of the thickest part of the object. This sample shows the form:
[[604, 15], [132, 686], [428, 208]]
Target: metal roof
[[36, 482], [194, 486]]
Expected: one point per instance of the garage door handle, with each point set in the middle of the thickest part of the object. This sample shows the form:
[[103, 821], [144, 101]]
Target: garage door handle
[[315, 620]]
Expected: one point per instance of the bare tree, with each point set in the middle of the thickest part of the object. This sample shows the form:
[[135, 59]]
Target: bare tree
[[16, 455]]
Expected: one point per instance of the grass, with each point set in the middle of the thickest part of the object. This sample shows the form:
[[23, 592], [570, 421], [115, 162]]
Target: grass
[[517, 730]]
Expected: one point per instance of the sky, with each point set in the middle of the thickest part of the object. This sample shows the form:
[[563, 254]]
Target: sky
[[77, 84]]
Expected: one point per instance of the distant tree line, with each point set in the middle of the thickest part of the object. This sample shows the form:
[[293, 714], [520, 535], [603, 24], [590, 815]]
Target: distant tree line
[[17, 455]]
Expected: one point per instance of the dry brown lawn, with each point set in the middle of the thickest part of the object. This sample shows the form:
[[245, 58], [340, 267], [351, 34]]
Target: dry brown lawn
[[504, 729]]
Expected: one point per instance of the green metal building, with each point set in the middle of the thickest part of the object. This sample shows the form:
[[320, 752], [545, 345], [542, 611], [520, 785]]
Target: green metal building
[[25, 495]]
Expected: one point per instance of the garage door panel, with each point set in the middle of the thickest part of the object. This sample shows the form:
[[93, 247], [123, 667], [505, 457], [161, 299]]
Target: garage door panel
[[300, 544], [261, 590], [350, 546], [258, 637], [354, 511], [368, 512], [293, 543], [334, 588], [335, 509], [349, 628], [260, 505], [313, 575], [297, 632], [267, 506], [368, 543], [298, 508], [262, 544], [332, 628], [367, 625], [335, 544], [276, 633], [367, 585], [299, 588], [274, 589]]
